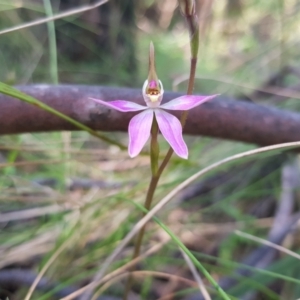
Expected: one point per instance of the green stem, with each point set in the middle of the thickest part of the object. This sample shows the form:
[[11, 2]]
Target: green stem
[[139, 238], [154, 156], [190, 87], [183, 116], [153, 183], [52, 43], [154, 150], [147, 205]]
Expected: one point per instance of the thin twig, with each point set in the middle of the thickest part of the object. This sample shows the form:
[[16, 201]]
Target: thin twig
[[46, 267], [267, 243], [196, 276], [142, 273], [30, 213], [55, 17], [98, 278]]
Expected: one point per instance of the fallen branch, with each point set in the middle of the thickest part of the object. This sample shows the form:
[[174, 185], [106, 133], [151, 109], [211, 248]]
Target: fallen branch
[[222, 117]]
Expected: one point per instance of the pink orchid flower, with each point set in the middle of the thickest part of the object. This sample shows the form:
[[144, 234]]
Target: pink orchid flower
[[170, 127]]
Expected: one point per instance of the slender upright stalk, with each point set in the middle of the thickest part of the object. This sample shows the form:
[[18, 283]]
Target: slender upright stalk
[[188, 10], [154, 154], [152, 185], [52, 42], [183, 116]]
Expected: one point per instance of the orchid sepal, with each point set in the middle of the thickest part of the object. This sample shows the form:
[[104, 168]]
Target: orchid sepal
[[186, 102], [171, 129], [139, 131], [121, 105]]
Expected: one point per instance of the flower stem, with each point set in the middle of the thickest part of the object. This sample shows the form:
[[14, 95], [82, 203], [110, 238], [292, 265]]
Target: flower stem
[[139, 238], [154, 151], [183, 116], [194, 44], [190, 87], [154, 156], [148, 201]]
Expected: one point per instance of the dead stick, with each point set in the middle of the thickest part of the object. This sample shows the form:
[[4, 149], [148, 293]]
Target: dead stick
[[222, 117]]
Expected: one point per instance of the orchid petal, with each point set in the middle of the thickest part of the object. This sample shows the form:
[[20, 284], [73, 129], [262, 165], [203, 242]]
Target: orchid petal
[[186, 102], [139, 131], [121, 105], [171, 129]]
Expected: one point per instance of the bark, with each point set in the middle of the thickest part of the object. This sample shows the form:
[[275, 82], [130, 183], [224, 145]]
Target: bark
[[222, 117]]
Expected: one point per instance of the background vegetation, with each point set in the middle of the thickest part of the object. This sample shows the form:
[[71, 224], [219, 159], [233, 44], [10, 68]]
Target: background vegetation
[[73, 190]]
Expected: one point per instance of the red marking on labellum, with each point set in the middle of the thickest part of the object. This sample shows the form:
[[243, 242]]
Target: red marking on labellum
[[153, 84]]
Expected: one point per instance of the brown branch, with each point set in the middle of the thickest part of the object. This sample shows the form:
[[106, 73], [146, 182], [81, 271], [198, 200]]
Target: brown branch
[[222, 117]]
